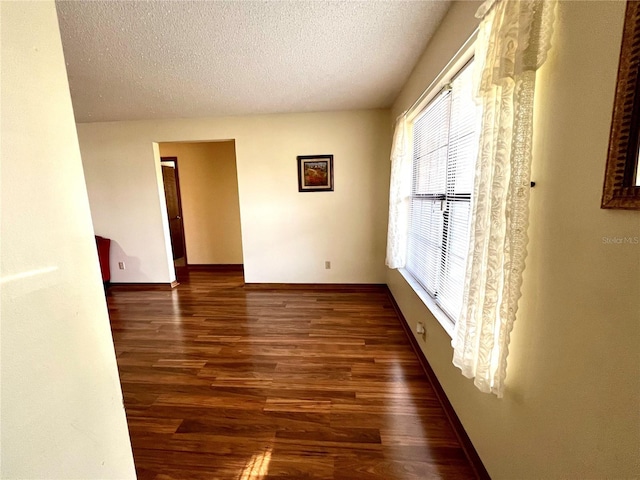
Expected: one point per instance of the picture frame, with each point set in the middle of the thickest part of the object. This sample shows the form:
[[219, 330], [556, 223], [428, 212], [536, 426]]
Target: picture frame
[[315, 173], [622, 175]]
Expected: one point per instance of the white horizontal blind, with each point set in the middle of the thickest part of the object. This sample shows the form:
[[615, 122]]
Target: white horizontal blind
[[445, 145]]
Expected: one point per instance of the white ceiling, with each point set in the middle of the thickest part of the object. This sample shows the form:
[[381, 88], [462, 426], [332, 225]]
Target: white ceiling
[[130, 60]]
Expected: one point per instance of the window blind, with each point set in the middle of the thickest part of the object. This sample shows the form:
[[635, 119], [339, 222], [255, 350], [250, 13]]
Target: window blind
[[445, 143]]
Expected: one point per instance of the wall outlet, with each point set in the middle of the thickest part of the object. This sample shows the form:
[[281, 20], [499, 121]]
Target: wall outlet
[[121, 265], [327, 265]]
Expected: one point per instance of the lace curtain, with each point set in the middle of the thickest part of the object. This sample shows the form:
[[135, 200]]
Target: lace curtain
[[399, 195], [513, 41]]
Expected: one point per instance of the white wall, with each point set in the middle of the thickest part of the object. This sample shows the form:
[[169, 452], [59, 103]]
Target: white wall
[[571, 407], [127, 202], [286, 235], [62, 414], [209, 196]]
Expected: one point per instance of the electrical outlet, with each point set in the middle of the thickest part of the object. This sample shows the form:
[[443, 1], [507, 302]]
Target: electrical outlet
[[121, 265], [327, 265]]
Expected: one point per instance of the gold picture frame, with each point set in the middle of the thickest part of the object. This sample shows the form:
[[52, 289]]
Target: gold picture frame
[[621, 189]]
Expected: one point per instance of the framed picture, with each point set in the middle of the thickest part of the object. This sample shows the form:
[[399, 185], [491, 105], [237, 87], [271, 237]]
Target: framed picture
[[315, 173], [622, 175]]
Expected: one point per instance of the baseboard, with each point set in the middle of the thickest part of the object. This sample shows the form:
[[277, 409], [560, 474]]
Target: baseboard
[[463, 438], [333, 287], [223, 267], [143, 286]]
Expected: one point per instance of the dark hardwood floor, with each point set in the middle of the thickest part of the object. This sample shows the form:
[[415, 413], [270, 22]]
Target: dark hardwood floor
[[222, 381]]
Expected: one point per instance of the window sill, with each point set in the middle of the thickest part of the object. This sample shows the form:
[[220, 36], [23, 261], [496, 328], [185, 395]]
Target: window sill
[[436, 311]]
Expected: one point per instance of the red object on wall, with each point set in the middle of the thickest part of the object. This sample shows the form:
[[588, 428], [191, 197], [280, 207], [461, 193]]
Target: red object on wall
[[104, 246]]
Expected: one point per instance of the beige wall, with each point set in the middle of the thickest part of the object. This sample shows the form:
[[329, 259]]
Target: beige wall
[[571, 407], [286, 235], [61, 412], [210, 206]]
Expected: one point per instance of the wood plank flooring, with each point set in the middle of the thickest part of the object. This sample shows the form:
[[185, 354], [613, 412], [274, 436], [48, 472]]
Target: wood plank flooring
[[221, 381]]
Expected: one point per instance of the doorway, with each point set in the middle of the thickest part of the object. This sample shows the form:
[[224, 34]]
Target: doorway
[[207, 236]]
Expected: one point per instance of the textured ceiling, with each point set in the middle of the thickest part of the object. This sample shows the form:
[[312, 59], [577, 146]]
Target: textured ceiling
[[131, 60]]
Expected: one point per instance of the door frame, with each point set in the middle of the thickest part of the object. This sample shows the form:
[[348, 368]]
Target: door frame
[[184, 240]]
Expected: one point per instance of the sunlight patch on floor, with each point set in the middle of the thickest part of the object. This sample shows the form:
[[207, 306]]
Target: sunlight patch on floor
[[257, 467]]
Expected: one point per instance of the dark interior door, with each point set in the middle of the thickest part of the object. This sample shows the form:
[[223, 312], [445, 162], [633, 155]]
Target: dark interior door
[[176, 228]]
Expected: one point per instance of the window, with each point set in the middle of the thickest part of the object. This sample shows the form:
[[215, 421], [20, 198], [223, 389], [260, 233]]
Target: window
[[445, 144]]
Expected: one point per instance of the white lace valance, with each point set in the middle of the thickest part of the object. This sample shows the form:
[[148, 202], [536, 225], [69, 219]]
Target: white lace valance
[[514, 37]]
